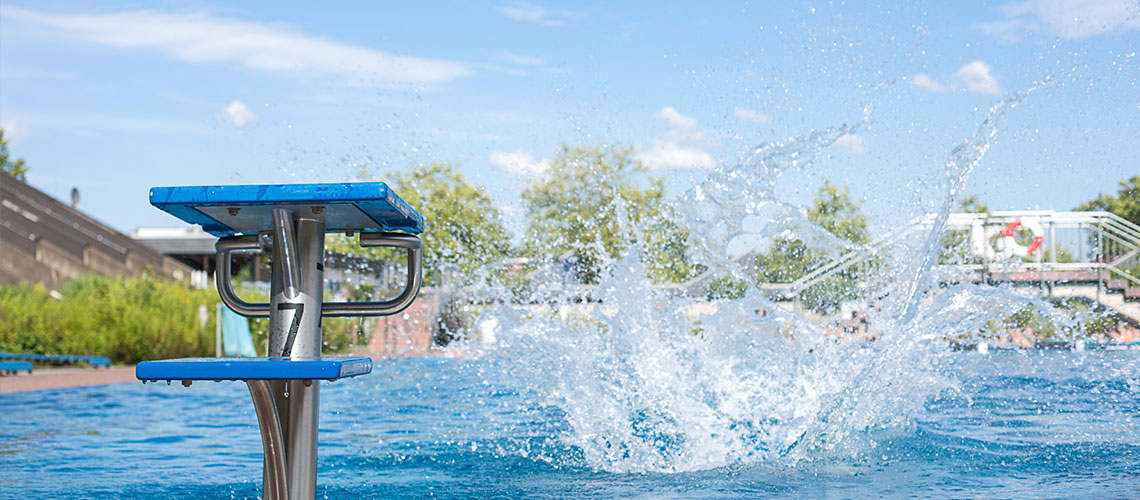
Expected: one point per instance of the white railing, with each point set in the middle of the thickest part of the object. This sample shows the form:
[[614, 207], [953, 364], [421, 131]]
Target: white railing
[[1105, 242]]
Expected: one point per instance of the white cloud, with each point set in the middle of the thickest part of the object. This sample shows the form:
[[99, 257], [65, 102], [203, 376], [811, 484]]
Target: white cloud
[[973, 77], [519, 162], [751, 116], [675, 122], [666, 155], [924, 82], [202, 38], [14, 133], [679, 146], [522, 11], [238, 115], [851, 143], [977, 79], [1064, 18]]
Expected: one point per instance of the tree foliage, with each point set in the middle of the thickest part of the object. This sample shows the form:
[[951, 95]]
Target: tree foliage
[[834, 210], [15, 168], [955, 248], [598, 204], [789, 259], [972, 205], [1125, 204], [464, 230]]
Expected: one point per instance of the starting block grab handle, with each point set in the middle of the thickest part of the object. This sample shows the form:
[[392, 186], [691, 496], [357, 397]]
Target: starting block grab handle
[[408, 242]]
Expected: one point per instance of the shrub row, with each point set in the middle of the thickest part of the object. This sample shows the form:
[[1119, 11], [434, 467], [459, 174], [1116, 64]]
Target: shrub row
[[127, 319], [130, 319]]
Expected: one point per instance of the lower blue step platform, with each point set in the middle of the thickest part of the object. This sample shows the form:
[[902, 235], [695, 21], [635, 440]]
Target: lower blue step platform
[[323, 368]]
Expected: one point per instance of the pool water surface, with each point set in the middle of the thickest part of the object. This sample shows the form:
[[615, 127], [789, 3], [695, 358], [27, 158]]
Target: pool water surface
[[1027, 424]]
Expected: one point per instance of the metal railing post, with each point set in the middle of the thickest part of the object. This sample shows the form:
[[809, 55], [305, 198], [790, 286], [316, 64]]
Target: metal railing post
[[1099, 265], [219, 349]]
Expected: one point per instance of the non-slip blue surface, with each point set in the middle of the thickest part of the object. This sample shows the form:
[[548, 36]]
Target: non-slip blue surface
[[1019, 425], [246, 209], [276, 368]]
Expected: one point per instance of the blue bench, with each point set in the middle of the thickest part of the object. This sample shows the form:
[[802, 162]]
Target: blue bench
[[95, 361], [13, 367], [293, 219]]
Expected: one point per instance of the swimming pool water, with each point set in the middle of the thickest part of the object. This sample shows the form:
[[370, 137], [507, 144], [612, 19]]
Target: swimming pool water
[[1030, 424]]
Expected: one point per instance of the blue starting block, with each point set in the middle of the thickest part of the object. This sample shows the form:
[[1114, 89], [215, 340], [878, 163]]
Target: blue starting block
[[292, 219]]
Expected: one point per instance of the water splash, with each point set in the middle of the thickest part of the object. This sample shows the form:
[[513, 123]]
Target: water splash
[[961, 162], [654, 381]]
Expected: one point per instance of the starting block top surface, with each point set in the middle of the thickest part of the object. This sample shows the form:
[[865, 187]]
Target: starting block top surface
[[323, 368], [248, 209]]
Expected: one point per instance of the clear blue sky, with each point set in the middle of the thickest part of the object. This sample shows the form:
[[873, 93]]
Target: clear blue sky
[[116, 97]]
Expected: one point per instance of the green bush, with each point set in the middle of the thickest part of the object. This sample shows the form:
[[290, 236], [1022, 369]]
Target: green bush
[[726, 288], [127, 319], [1088, 321], [132, 319]]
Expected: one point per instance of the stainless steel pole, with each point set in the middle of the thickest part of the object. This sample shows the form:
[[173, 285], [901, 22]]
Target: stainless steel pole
[[305, 332], [295, 333]]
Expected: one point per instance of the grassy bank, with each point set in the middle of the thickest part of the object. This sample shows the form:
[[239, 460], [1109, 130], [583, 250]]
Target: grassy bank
[[131, 319], [127, 319]]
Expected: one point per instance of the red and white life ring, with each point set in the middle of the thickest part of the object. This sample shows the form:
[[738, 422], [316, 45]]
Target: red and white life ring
[[1009, 245]]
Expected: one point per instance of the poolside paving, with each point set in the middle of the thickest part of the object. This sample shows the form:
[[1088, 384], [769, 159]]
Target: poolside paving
[[62, 378]]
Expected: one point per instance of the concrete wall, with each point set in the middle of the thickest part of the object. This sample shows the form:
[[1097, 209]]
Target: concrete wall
[[18, 266], [45, 241], [63, 264]]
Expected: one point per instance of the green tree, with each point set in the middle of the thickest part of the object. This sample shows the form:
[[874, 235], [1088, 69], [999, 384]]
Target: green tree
[[834, 210], [598, 203], [955, 247], [464, 232], [1125, 204], [789, 259], [16, 167], [972, 205]]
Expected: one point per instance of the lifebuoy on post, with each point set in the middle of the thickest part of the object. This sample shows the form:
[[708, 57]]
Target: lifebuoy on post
[[1009, 245]]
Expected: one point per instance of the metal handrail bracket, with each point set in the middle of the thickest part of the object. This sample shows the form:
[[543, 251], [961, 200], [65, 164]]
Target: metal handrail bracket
[[410, 243]]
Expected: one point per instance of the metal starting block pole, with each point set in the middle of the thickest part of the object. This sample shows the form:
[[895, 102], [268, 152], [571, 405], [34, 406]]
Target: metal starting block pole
[[295, 218]]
